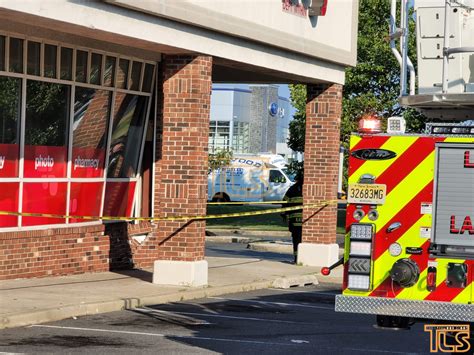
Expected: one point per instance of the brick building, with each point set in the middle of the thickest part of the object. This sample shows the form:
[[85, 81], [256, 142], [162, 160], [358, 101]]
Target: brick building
[[104, 111]]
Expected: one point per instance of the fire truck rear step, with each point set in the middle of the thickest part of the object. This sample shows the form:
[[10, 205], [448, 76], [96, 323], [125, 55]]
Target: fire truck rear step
[[406, 308]]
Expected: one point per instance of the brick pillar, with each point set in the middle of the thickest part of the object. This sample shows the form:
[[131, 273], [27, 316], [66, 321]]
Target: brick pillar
[[181, 171], [321, 165]]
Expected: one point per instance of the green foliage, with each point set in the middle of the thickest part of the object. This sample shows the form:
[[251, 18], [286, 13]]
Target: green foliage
[[295, 168], [415, 120], [371, 86], [374, 84], [219, 159], [9, 109], [47, 108], [298, 97], [298, 124], [297, 133]]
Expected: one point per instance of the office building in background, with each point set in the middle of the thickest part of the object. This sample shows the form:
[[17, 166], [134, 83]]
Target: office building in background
[[250, 119]]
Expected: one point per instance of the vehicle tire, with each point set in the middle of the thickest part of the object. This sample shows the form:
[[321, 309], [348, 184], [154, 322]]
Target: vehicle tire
[[393, 322], [220, 197]]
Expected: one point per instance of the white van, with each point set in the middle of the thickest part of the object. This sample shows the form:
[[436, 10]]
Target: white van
[[250, 178]]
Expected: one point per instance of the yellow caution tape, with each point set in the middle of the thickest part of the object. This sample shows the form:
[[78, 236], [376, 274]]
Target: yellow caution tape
[[178, 218]]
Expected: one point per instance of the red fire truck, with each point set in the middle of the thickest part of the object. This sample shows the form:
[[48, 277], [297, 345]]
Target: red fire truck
[[409, 248]]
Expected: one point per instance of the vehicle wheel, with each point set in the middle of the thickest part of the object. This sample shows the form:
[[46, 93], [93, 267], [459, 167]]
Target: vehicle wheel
[[219, 197], [393, 322]]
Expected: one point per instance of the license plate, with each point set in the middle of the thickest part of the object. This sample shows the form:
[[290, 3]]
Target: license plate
[[373, 194]]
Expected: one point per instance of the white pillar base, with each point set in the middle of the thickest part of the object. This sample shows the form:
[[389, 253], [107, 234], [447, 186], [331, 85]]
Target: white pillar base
[[180, 273], [317, 254]]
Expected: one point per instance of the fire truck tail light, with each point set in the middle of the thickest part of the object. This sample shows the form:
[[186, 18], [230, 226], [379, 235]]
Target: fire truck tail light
[[362, 231], [360, 248], [358, 282], [359, 265], [360, 256]]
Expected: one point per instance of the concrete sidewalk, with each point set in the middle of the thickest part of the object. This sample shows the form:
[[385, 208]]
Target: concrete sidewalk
[[269, 241], [32, 301], [247, 233]]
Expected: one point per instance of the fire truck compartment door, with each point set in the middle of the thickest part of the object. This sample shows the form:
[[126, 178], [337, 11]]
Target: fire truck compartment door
[[454, 195]]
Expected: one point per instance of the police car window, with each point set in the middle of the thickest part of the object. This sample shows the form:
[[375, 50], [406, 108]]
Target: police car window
[[277, 177]]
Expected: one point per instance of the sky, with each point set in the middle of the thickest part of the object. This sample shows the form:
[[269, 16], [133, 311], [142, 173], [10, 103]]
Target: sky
[[283, 91]]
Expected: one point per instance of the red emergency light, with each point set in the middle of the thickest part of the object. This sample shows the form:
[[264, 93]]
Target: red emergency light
[[370, 124]]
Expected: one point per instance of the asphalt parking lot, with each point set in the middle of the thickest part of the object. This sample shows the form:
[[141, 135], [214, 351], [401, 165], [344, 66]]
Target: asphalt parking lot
[[271, 321]]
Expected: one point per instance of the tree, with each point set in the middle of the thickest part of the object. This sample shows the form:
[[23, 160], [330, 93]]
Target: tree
[[9, 109], [373, 85], [219, 159], [297, 126], [46, 113]]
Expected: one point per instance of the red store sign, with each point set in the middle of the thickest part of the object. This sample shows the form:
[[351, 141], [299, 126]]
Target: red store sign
[[45, 161], [9, 160], [87, 162]]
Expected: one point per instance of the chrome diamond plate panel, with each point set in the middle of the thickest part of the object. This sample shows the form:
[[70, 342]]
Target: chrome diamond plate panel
[[405, 308]]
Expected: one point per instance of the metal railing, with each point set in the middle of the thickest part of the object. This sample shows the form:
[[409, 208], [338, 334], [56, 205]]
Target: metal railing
[[402, 33]]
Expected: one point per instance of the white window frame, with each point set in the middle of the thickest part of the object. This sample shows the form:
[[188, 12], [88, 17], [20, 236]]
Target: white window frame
[[73, 84], [212, 142]]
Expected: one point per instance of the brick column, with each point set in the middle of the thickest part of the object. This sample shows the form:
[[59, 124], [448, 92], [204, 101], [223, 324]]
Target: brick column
[[181, 169], [321, 165]]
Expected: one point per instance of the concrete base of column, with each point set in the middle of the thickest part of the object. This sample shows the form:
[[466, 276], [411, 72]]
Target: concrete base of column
[[317, 254], [180, 273]]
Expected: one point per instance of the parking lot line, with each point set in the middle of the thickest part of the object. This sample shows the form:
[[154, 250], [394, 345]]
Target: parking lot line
[[255, 342], [284, 304], [290, 290], [98, 330], [243, 318]]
